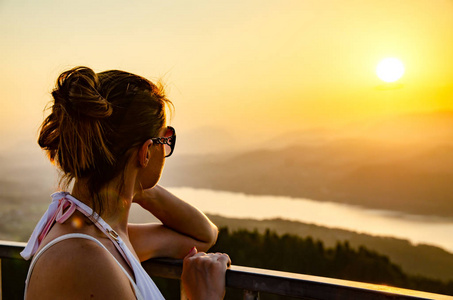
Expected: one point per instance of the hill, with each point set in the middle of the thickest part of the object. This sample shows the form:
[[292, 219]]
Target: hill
[[422, 260]]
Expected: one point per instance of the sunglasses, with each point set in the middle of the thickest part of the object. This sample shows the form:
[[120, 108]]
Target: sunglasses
[[169, 141]]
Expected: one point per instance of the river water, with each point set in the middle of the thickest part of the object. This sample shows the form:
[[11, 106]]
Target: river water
[[418, 229]]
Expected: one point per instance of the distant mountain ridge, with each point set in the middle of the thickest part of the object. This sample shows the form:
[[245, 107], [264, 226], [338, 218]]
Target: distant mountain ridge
[[413, 175]]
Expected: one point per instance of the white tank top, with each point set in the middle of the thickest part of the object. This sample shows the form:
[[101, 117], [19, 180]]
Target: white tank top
[[61, 208]]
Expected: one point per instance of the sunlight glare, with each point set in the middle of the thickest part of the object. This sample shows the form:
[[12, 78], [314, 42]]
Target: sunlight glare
[[390, 69]]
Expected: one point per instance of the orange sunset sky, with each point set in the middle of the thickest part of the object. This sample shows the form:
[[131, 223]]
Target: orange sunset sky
[[246, 67]]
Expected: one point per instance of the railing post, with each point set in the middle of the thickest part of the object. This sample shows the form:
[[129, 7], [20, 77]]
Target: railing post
[[1, 281], [251, 295]]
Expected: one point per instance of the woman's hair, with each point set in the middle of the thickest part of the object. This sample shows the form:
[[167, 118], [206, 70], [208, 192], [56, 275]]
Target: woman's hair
[[95, 119]]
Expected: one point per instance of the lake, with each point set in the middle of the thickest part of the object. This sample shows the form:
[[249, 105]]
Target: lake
[[418, 229]]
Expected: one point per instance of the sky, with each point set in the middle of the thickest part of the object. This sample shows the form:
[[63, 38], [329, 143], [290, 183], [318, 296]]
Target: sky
[[246, 67]]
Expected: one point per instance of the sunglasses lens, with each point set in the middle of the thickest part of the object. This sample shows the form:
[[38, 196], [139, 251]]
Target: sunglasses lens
[[170, 133]]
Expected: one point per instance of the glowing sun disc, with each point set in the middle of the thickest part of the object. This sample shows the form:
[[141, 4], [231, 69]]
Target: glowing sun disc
[[390, 69]]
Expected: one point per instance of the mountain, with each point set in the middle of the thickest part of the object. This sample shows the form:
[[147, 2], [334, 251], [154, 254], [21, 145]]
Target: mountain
[[379, 170]]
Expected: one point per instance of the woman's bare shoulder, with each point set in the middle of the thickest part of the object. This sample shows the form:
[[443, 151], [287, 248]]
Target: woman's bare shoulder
[[76, 269]]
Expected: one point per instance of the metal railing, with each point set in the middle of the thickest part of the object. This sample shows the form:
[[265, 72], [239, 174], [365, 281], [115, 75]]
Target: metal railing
[[252, 281]]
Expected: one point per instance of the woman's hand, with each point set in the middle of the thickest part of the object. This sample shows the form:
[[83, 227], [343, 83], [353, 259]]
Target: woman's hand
[[203, 275]]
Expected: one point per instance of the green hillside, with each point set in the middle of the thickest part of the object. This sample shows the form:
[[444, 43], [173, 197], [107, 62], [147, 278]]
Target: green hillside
[[422, 260]]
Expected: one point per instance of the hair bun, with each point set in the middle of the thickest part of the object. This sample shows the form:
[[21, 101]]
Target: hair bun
[[77, 91]]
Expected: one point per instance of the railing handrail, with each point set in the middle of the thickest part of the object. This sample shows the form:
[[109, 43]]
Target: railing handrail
[[275, 282]]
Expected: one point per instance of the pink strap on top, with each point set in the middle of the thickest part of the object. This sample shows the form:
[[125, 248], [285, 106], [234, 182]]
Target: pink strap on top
[[65, 210], [60, 216]]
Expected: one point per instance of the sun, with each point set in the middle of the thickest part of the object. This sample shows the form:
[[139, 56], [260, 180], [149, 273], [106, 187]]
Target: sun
[[390, 69]]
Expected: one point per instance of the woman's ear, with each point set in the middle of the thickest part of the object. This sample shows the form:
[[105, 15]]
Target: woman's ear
[[143, 154]]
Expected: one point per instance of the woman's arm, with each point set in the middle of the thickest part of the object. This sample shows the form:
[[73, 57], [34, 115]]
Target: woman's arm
[[183, 226]]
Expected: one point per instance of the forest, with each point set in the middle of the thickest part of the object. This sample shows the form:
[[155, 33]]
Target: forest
[[291, 253]]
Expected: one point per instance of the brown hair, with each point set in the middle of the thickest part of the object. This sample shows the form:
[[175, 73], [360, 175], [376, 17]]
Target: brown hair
[[95, 119]]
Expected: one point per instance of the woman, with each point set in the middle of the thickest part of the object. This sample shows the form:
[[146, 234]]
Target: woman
[[107, 134]]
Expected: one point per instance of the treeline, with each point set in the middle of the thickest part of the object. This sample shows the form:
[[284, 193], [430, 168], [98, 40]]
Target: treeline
[[291, 253]]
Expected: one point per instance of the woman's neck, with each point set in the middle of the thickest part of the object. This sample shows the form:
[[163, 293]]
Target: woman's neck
[[116, 202]]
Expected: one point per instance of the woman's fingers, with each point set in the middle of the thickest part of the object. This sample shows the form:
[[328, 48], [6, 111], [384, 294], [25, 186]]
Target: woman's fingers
[[224, 258], [192, 252], [203, 275]]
